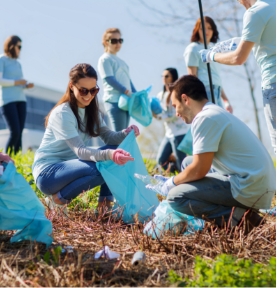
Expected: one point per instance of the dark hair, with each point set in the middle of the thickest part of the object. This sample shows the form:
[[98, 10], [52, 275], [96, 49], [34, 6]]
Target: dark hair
[[195, 33], [92, 125], [9, 46], [174, 74], [191, 86]]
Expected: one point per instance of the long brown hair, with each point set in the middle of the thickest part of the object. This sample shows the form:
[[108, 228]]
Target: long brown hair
[[195, 33], [92, 125], [9, 46]]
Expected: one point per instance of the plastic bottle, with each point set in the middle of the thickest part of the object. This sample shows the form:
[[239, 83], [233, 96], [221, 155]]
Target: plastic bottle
[[227, 45], [138, 258], [156, 184]]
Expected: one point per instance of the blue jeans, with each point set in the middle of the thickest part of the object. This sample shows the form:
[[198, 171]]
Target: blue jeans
[[210, 197], [269, 100], [168, 146], [217, 95], [119, 119], [14, 114], [71, 178]]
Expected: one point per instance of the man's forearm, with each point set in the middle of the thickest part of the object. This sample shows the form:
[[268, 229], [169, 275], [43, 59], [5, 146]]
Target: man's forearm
[[230, 58], [191, 173]]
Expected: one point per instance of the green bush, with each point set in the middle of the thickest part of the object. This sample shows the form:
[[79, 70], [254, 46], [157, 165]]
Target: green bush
[[227, 271]]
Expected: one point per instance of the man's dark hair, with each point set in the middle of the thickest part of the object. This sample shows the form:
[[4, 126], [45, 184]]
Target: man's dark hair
[[189, 85]]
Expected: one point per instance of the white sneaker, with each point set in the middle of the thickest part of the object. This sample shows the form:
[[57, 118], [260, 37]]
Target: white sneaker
[[53, 206]]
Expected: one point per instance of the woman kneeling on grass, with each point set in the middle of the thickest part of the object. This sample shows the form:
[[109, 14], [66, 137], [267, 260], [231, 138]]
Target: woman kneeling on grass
[[64, 165]]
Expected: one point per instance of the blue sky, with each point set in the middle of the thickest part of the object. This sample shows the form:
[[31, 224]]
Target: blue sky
[[57, 34]]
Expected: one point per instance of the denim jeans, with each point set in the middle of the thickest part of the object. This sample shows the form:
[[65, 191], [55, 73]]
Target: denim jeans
[[119, 119], [210, 197], [168, 146], [269, 100], [14, 114], [217, 95], [71, 178]]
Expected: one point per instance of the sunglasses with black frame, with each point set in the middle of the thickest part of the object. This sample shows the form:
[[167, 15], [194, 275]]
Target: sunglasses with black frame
[[115, 41], [84, 91]]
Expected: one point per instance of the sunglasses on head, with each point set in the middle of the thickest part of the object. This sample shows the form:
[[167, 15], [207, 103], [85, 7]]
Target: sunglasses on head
[[85, 91], [115, 41]]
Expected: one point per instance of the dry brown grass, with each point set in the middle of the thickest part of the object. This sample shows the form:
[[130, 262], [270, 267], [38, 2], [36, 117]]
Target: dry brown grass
[[21, 264]]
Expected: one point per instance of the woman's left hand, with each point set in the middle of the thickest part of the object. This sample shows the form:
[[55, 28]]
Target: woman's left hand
[[132, 127], [29, 85]]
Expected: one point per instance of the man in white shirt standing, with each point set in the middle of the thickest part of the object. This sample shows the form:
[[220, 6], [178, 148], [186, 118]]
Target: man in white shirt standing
[[231, 174], [259, 35]]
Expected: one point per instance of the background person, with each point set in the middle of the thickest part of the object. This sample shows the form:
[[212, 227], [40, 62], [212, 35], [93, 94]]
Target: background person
[[64, 165], [244, 178], [197, 68], [12, 98], [116, 79], [175, 128], [259, 35]]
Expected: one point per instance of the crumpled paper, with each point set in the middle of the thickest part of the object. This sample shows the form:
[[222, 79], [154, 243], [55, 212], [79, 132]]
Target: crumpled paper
[[106, 253]]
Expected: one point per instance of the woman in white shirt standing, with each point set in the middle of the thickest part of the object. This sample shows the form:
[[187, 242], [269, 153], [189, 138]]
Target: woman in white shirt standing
[[116, 79], [12, 97], [64, 164], [196, 67], [175, 127]]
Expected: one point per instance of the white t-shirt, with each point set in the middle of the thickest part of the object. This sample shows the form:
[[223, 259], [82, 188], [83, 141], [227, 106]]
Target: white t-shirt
[[111, 65], [62, 125], [174, 126], [193, 59], [238, 154], [259, 26]]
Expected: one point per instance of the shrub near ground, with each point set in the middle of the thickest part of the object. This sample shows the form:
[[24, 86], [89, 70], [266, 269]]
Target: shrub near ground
[[221, 259]]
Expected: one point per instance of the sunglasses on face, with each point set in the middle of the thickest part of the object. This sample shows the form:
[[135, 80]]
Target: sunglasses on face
[[115, 41], [165, 76], [19, 47], [85, 91]]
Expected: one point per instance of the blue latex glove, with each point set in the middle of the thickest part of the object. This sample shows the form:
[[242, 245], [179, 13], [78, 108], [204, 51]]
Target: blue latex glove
[[207, 55], [168, 185]]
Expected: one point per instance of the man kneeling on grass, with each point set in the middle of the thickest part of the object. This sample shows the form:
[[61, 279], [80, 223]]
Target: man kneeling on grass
[[230, 175]]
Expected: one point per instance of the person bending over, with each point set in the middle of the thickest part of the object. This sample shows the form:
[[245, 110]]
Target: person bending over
[[64, 164], [230, 174]]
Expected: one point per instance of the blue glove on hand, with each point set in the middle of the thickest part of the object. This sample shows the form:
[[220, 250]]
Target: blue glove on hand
[[207, 55], [168, 185]]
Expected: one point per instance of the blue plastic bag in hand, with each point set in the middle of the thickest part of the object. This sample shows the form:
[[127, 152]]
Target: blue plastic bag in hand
[[21, 209], [155, 105], [186, 144], [168, 219], [139, 108], [130, 193]]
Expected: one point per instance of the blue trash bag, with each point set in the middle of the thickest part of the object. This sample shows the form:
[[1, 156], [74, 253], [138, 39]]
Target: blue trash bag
[[155, 105], [139, 108], [123, 102], [167, 219], [186, 144], [130, 193], [21, 209]]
